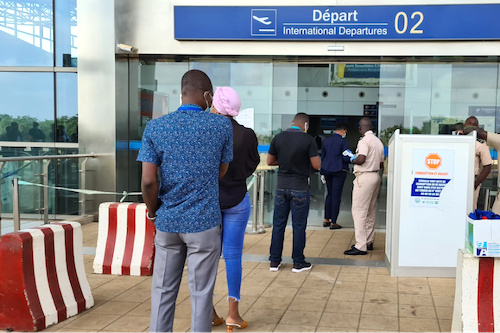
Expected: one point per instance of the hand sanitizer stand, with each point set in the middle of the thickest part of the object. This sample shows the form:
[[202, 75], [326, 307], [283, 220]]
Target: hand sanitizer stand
[[429, 193]]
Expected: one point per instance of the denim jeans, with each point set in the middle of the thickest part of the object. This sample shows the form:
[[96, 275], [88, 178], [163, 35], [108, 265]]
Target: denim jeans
[[234, 224], [298, 202], [334, 185]]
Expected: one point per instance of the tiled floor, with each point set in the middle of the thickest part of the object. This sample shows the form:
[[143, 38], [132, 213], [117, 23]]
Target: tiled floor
[[355, 296]]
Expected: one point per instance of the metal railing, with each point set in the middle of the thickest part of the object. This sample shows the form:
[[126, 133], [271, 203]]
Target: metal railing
[[45, 176], [258, 184], [258, 206]]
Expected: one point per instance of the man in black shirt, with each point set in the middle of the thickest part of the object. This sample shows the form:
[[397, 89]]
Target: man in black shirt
[[295, 152]]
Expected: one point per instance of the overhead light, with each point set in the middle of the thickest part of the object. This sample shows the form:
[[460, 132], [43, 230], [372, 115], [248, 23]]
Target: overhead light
[[127, 48], [335, 48]]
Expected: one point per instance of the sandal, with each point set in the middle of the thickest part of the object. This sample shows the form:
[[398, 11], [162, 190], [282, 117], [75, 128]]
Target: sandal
[[230, 326], [218, 321]]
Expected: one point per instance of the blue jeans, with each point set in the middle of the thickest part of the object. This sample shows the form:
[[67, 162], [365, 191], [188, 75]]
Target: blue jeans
[[334, 185], [298, 202], [234, 224]]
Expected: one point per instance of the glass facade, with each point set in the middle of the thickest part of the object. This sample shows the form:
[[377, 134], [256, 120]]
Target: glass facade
[[416, 95], [66, 129], [27, 99], [30, 29], [434, 97], [66, 35], [38, 102]]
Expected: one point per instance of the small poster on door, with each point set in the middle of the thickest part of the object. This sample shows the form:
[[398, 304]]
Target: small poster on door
[[246, 117]]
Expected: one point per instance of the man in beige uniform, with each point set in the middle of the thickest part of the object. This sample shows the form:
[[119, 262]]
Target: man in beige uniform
[[483, 158], [492, 140], [369, 159]]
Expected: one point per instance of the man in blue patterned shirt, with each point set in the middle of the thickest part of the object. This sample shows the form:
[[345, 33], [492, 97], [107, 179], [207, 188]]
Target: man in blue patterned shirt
[[192, 148]]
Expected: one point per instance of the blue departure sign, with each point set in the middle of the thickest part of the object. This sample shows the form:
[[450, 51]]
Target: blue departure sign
[[416, 22]]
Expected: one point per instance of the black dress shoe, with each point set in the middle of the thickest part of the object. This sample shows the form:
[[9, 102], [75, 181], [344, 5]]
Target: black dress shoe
[[355, 252], [368, 247], [334, 226], [326, 224]]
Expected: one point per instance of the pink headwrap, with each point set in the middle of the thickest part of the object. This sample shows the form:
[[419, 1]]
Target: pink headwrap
[[227, 101]]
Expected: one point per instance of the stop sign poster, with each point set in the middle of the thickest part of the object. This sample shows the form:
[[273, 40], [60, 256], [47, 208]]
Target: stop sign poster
[[432, 178]]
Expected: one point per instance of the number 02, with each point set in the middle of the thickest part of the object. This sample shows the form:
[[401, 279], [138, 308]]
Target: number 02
[[404, 17]]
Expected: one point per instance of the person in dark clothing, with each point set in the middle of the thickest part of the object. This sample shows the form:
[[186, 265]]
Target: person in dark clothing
[[234, 200], [5, 136], [14, 134], [36, 134], [295, 152], [334, 166], [61, 135]]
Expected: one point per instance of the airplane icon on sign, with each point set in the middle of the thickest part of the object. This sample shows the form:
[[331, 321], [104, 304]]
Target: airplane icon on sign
[[263, 20]]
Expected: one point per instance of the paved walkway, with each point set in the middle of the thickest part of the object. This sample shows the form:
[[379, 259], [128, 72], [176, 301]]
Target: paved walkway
[[346, 294]]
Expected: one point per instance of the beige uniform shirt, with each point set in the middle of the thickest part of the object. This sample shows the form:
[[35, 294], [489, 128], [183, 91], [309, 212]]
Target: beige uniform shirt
[[483, 157], [493, 140], [373, 149]]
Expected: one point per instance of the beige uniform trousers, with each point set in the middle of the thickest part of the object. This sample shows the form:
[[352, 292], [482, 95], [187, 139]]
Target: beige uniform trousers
[[364, 199], [496, 205], [476, 196]]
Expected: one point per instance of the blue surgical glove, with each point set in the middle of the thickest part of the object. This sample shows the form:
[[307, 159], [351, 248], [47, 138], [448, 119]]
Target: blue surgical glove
[[353, 157]]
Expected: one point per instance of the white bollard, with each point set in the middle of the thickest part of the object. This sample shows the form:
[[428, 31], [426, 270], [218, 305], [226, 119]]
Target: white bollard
[[477, 294], [42, 277], [125, 243]]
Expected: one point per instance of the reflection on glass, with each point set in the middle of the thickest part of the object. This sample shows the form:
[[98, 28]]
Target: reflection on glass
[[61, 173], [35, 134], [26, 33], [158, 94], [254, 83], [438, 96], [66, 175], [67, 107], [27, 104], [66, 33]]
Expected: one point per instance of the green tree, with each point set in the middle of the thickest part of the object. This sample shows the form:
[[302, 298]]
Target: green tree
[[386, 134], [25, 123]]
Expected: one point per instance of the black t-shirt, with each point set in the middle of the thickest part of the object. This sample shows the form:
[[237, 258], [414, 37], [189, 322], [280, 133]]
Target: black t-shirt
[[293, 148]]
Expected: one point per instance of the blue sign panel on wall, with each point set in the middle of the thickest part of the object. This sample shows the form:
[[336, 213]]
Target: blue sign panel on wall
[[416, 22]]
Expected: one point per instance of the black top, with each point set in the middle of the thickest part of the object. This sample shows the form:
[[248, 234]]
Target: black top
[[293, 148], [332, 159], [233, 187]]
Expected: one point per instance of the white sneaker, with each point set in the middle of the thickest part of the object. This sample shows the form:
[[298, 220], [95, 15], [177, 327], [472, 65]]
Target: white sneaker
[[301, 267], [274, 266]]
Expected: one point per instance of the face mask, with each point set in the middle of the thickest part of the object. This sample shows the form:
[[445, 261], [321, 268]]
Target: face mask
[[208, 107], [344, 135], [306, 127]]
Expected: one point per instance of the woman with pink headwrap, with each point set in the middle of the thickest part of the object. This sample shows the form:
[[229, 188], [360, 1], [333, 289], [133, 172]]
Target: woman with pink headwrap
[[234, 200]]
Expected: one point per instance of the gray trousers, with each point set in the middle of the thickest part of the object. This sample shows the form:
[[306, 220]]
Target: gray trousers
[[202, 251]]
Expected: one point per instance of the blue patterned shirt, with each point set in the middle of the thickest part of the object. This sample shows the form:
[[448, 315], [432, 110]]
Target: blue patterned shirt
[[188, 145]]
